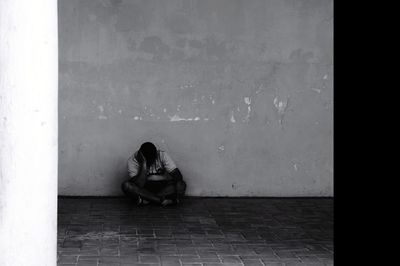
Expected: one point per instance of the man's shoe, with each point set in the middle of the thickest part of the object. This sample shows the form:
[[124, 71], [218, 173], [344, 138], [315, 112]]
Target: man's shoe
[[167, 202], [142, 201]]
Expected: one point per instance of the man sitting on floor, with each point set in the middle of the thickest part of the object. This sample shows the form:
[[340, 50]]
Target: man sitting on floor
[[154, 177]]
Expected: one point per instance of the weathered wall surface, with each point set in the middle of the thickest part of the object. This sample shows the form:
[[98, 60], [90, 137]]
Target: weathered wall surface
[[239, 92]]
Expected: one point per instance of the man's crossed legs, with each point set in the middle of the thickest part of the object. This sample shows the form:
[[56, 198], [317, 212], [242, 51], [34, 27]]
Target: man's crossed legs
[[164, 192]]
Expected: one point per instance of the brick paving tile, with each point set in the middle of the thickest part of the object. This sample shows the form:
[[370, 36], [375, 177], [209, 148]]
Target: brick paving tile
[[231, 259], [199, 260], [170, 263], [67, 259], [139, 264], [256, 262], [274, 264], [109, 259], [200, 231], [87, 263]]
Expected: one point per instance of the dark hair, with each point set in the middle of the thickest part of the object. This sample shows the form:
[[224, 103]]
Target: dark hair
[[149, 151]]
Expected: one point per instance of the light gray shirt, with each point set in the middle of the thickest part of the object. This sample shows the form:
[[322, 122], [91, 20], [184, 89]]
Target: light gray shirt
[[162, 164]]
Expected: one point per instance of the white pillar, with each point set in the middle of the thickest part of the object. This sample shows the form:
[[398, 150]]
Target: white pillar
[[28, 132]]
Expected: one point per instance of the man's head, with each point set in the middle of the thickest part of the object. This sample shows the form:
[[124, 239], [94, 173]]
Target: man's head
[[149, 152]]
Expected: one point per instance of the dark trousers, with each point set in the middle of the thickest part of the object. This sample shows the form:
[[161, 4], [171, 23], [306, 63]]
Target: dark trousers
[[155, 191]]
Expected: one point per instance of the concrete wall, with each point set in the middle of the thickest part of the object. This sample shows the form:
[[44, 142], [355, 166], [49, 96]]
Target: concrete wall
[[239, 92]]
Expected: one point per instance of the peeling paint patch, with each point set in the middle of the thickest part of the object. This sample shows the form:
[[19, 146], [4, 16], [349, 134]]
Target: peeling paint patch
[[137, 118], [325, 77], [281, 106], [260, 88], [247, 100], [316, 90], [186, 86], [233, 117], [177, 118], [101, 116], [221, 148]]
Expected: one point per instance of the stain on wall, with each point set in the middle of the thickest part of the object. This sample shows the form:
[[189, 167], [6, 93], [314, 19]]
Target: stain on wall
[[238, 92]]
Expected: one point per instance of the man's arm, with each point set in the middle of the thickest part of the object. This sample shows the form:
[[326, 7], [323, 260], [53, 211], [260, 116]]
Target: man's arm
[[180, 185], [140, 178], [171, 168]]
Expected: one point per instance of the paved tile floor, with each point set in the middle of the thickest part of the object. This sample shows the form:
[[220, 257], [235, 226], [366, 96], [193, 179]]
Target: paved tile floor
[[201, 231]]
